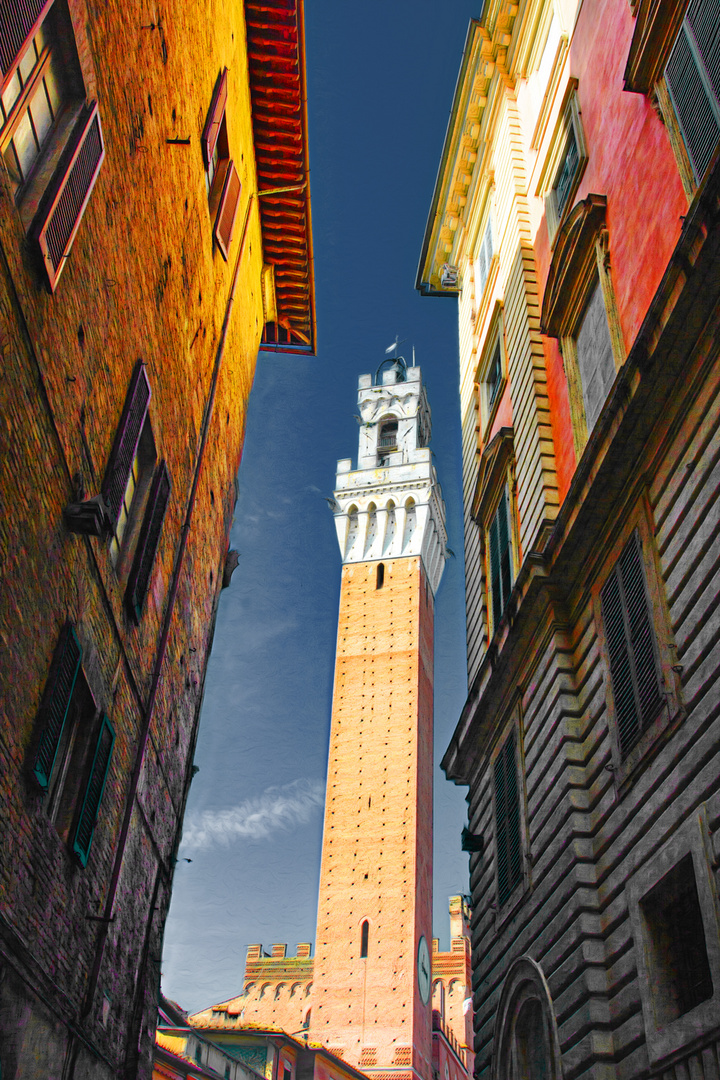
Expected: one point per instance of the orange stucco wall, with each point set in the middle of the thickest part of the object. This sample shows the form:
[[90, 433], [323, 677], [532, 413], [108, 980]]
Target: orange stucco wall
[[630, 161]]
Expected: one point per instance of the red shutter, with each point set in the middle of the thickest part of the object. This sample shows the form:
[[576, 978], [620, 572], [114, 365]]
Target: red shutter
[[126, 441], [214, 119], [70, 194], [19, 19], [227, 210], [148, 542]]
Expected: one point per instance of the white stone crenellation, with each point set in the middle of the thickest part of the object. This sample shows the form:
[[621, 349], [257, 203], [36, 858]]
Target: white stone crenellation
[[391, 506]]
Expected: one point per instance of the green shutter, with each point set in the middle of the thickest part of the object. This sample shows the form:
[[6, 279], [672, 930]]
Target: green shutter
[[507, 821], [692, 76], [94, 791], [631, 646], [56, 702], [495, 573]]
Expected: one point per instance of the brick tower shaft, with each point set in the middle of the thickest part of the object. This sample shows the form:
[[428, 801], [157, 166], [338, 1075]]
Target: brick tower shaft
[[371, 991]]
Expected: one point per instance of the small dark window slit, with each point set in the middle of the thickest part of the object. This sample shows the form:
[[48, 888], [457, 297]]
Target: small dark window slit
[[364, 940], [380, 575]]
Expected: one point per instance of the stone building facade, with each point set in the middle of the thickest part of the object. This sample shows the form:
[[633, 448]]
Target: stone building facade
[[138, 276], [575, 218]]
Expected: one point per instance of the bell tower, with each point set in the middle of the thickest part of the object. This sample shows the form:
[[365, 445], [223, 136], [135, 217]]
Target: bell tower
[[372, 975]]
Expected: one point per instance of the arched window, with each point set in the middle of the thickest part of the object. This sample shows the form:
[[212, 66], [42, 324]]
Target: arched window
[[380, 578], [371, 527], [438, 997], [525, 1045], [306, 1021], [364, 934], [278, 990], [388, 435], [352, 529]]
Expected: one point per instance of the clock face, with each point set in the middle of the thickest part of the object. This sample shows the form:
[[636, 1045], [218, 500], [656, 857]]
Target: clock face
[[423, 970]]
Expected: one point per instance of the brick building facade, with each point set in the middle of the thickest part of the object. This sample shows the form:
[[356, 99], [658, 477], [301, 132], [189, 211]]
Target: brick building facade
[[142, 261], [576, 219]]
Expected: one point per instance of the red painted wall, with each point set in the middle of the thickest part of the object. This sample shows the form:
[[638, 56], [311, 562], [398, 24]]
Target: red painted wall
[[630, 161]]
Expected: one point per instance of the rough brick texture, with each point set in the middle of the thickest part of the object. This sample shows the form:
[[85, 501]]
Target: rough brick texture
[[78, 996]]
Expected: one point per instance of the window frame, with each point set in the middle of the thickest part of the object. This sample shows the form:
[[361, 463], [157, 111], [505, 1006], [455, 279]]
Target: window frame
[[52, 198], [222, 180], [581, 253], [569, 120], [505, 905], [488, 406], [627, 766], [691, 838]]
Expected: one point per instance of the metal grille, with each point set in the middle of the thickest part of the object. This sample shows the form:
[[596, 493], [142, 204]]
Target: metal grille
[[18, 20]]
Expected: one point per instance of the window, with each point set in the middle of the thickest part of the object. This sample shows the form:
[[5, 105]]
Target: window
[[594, 353], [50, 140], [74, 748], [631, 646], [364, 934], [508, 838], [579, 309], [692, 76], [672, 907], [380, 576], [565, 162], [500, 558], [484, 258], [221, 177], [136, 494], [526, 1045], [388, 435], [491, 374]]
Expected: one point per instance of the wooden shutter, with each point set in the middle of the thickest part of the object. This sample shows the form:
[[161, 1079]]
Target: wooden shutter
[[211, 131], [692, 75], [500, 558], [507, 821], [227, 210], [19, 19], [69, 194], [631, 646], [139, 580], [564, 182], [94, 790], [126, 441], [56, 702]]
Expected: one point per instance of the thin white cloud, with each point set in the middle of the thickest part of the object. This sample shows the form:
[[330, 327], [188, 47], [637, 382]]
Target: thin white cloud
[[278, 809]]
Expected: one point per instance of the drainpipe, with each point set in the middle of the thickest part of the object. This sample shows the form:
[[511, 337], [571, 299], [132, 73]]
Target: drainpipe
[[162, 649]]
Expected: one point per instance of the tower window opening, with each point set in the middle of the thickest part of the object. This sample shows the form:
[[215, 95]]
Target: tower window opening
[[380, 579], [364, 934], [387, 439]]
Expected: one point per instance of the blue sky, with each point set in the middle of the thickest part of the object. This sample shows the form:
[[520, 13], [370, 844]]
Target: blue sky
[[380, 83]]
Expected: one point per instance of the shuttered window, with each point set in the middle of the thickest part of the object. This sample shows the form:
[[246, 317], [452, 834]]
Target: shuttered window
[[71, 191], [148, 541], [500, 544], [692, 75], [126, 442], [19, 19], [214, 123], [227, 210], [56, 702], [94, 790], [634, 669], [484, 257], [566, 174], [507, 821]]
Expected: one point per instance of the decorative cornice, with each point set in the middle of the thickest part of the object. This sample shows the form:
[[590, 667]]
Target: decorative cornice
[[492, 466], [574, 246], [657, 24]]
